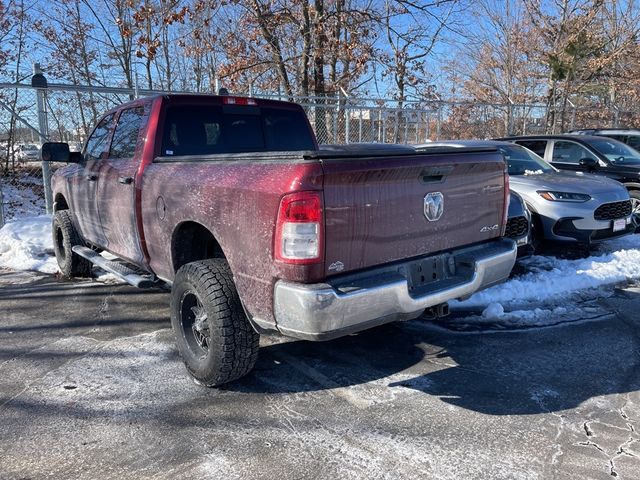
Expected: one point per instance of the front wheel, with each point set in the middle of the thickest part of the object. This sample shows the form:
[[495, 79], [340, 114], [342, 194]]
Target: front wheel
[[214, 337], [635, 208], [65, 237]]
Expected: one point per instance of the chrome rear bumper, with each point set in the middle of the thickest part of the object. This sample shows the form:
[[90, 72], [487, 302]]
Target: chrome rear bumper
[[329, 310]]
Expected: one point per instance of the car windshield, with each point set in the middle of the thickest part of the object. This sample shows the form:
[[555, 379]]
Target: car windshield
[[615, 151], [521, 161]]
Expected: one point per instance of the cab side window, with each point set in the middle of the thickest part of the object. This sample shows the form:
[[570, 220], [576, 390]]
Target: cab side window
[[98, 143], [536, 146], [570, 152], [125, 137]]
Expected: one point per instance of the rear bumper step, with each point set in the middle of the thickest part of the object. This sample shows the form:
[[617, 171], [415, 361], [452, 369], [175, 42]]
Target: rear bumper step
[[322, 311], [118, 269]]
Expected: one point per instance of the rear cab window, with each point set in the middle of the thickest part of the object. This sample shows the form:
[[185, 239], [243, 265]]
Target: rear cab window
[[215, 129]]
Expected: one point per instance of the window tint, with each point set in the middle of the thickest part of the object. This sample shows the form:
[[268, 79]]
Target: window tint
[[570, 152], [633, 141], [98, 142], [125, 137], [536, 146], [202, 130]]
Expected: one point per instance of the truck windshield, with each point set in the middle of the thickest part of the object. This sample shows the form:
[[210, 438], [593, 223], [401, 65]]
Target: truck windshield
[[204, 130], [521, 161]]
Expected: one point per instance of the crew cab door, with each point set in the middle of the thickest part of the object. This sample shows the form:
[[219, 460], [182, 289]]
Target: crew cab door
[[84, 184], [116, 195]]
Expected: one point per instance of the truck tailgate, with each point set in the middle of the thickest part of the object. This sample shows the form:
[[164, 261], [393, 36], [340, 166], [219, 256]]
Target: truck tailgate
[[375, 206]]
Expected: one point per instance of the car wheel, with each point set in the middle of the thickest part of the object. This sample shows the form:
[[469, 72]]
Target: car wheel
[[214, 337], [635, 206], [65, 237], [537, 233]]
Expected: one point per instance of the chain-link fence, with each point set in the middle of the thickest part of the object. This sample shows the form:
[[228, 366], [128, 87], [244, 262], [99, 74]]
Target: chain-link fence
[[31, 114]]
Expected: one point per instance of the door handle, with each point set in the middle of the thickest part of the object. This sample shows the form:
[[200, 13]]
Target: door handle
[[125, 180], [92, 177]]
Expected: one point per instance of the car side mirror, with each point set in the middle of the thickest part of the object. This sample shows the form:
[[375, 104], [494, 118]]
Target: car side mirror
[[54, 152], [589, 163]]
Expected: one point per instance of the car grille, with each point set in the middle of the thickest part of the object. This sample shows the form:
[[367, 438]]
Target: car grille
[[610, 211], [517, 227]]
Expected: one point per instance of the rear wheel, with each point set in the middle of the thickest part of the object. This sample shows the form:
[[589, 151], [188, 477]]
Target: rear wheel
[[65, 237], [214, 337]]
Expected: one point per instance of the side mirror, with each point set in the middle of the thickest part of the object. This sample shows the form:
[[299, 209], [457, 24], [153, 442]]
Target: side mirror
[[54, 152], [589, 163]]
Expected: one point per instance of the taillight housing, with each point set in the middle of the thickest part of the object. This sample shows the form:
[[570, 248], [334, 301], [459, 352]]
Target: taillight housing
[[299, 236], [507, 200]]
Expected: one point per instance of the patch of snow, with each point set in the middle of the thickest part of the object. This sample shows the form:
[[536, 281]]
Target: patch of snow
[[551, 278], [493, 310], [26, 244], [23, 196]]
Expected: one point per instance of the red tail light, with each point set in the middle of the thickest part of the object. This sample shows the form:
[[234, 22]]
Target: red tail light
[[300, 229], [507, 200]]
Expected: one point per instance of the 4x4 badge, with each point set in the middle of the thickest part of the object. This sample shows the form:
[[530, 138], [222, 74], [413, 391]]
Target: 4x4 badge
[[433, 206]]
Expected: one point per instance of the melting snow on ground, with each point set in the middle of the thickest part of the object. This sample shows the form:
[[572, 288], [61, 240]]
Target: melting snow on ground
[[26, 244], [553, 288], [23, 196], [553, 278]]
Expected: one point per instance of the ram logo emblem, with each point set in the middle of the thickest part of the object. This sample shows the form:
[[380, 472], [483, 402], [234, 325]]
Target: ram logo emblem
[[433, 206]]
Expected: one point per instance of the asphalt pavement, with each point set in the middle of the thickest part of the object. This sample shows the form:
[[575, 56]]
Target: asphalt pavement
[[91, 386]]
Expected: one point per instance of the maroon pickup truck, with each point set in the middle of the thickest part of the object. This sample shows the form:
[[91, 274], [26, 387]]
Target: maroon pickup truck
[[230, 201]]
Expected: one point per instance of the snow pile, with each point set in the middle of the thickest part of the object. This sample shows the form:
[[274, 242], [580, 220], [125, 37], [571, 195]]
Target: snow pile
[[23, 197], [26, 244], [553, 278]]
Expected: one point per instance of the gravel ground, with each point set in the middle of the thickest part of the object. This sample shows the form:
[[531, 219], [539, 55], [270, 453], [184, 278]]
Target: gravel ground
[[91, 387]]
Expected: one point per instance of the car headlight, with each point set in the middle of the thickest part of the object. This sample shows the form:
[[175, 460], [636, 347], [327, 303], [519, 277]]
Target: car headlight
[[564, 196]]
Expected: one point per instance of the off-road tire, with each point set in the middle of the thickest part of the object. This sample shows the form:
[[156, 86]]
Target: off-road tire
[[203, 293], [65, 237]]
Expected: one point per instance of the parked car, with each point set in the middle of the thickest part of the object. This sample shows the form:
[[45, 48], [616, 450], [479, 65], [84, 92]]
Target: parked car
[[230, 201], [630, 136], [590, 154], [568, 207], [27, 152]]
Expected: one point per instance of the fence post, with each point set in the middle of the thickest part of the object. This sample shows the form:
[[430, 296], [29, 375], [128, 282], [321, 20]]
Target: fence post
[[39, 82], [347, 125], [1, 207]]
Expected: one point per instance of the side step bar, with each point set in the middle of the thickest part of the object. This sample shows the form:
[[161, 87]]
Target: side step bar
[[118, 269]]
